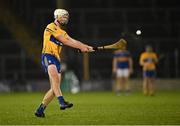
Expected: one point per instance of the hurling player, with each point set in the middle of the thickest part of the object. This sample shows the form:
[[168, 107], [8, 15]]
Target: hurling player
[[122, 67], [148, 61], [54, 39]]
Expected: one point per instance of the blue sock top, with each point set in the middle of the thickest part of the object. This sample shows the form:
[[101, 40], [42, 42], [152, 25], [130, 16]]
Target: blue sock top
[[61, 100]]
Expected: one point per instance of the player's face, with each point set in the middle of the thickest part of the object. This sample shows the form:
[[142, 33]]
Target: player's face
[[148, 49], [64, 20]]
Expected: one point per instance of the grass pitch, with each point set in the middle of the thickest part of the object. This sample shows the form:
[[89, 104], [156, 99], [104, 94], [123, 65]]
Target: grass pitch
[[93, 108]]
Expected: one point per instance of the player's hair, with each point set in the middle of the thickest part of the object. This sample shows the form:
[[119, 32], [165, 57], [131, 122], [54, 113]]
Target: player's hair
[[58, 13]]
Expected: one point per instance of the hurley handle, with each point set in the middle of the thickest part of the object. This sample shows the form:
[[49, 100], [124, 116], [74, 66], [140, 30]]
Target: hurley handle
[[94, 49]]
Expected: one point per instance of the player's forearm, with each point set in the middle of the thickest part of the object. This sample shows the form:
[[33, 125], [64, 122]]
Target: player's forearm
[[74, 44], [130, 63], [114, 65], [71, 42], [141, 63], [114, 70], [156, 61], [78, 43]]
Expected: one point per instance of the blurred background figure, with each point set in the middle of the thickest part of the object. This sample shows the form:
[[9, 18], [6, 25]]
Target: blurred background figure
[[70, 81], [122, 68], [148, 61]]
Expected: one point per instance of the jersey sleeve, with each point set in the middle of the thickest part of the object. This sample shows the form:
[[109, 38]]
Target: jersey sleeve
[[141, 59], [60, 32], [56, 31]]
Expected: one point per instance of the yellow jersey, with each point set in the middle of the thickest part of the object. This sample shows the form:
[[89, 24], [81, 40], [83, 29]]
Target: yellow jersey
[[51, 45], [148, 60]]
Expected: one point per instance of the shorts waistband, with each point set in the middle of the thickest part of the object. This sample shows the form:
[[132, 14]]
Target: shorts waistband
[[43, 54]]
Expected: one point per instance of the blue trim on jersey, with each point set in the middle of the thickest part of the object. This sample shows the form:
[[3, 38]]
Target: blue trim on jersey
[[150, 60], [56, 41], [149, 73], [123, 65], [48, 59], [122, 54]]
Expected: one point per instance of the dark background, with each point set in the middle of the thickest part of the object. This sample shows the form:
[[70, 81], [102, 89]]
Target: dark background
[[95, 22]]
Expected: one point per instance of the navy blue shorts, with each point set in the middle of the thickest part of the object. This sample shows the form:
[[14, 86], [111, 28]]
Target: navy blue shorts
[[149, 73], [48, 59]]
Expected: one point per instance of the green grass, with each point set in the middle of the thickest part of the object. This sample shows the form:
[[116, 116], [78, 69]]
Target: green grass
[[93, 108]]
